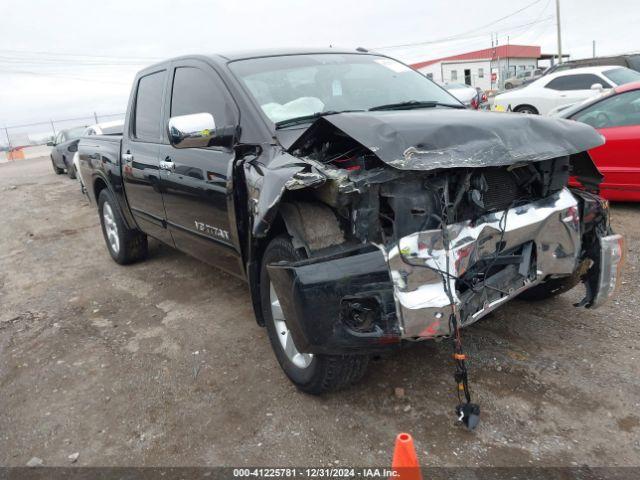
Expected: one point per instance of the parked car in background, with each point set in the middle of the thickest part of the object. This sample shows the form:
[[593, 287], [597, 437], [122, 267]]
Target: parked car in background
[[617, 118], [467, 94], [114, 127], [65, 146], [483, 100], [631, 61], [563, 88], [522, 78]]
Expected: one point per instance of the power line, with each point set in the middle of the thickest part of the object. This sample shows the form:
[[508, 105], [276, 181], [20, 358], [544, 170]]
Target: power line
[[53, 74], [453, 37], [66, 54], [472, 41], [544, 9], [60, 120]]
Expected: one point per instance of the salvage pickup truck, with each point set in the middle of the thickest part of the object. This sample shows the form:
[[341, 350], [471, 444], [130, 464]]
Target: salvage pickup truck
[[363, 204]]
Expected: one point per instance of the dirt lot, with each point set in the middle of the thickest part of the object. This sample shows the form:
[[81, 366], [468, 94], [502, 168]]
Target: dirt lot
[[162, 363]]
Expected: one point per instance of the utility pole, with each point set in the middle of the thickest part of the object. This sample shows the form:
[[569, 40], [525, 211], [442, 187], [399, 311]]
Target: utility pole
[[6, 132], [53, 127], [559, 32], [594, 49], [95, 117]]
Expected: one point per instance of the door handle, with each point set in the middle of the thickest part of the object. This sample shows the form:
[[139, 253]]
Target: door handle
[[127, 157], [167, 164]]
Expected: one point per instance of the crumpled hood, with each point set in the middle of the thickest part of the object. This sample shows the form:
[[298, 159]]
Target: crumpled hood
[[428, 139]]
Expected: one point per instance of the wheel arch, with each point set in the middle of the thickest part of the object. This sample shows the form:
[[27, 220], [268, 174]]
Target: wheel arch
[[292, 218], [100, 184], [526, 105]]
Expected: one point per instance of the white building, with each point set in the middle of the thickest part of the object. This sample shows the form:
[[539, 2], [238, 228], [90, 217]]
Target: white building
[[486, 68]]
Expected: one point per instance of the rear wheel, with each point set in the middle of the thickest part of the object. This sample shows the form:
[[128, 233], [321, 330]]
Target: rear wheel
[[311, 373], [57, 170], [526, 109], [124, 244]]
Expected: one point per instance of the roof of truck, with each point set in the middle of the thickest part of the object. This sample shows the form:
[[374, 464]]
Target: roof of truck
[[272, 52], [224, 57]]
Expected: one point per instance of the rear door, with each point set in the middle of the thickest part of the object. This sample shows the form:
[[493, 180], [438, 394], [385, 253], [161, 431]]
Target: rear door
[[617, 118], [197, 186], [140, 150]]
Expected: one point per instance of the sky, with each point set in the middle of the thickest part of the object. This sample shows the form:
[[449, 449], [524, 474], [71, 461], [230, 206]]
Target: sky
[[67, 59]]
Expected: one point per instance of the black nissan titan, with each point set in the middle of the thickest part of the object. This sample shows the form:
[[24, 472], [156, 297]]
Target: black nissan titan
[[363, 204]]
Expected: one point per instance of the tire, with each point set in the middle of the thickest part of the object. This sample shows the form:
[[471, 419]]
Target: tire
[[508, 86], [528, 109], [57, 170], [322, 373], [71, 171], [124, 244], [549, 289]]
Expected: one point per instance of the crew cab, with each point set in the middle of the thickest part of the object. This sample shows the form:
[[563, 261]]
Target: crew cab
[[363, 204]]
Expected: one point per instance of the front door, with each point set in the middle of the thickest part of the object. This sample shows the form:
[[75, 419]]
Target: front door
[[196, 181], [140, 161]]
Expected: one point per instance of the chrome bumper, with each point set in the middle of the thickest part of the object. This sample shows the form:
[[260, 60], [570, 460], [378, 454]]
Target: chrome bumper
[[544, 234]]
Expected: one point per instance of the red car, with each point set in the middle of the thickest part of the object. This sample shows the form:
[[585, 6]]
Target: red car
[[617, 117]]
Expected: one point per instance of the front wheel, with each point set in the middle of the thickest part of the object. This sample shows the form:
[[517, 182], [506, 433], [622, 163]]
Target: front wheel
[[124, 244], [71, 171], [56, 169], [310, 373]]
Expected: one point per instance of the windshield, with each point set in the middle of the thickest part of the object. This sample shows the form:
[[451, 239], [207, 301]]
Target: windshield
[[74, 133], [620, 76], [293, 86]]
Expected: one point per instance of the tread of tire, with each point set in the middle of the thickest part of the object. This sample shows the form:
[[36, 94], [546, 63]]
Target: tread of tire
[[335, 371]]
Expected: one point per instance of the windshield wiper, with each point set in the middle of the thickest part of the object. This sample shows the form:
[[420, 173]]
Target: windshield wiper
[[308, 118], [414, 104]]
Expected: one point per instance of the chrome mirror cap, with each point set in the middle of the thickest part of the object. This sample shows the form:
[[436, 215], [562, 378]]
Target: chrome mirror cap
[[192, 131]]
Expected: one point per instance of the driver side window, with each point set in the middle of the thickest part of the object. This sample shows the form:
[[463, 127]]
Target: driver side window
[[619, 111]]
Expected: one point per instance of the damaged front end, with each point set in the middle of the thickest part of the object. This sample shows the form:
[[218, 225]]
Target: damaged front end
[[426, 216]]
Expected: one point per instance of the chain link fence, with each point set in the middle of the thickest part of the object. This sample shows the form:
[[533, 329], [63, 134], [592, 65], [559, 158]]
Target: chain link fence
[[39, 133]]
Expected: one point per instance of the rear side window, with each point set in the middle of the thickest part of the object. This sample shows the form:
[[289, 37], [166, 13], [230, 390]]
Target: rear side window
[[581, 81], [196, 91], [149, 107]]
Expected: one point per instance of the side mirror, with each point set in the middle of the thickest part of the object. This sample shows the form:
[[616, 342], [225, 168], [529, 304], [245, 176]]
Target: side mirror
[[198, 130], [597, 86]]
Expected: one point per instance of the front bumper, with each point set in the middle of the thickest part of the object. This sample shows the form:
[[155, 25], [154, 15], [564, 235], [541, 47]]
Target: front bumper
[[370, 300], [541, 239]]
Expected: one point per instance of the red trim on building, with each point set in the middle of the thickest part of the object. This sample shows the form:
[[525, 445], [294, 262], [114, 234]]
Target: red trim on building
[[502, 51]]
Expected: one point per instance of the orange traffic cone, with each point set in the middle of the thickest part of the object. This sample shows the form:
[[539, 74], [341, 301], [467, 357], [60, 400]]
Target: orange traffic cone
[[405, 460]]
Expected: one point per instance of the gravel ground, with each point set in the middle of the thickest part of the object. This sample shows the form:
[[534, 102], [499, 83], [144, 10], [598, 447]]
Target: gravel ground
[[162, 363]]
